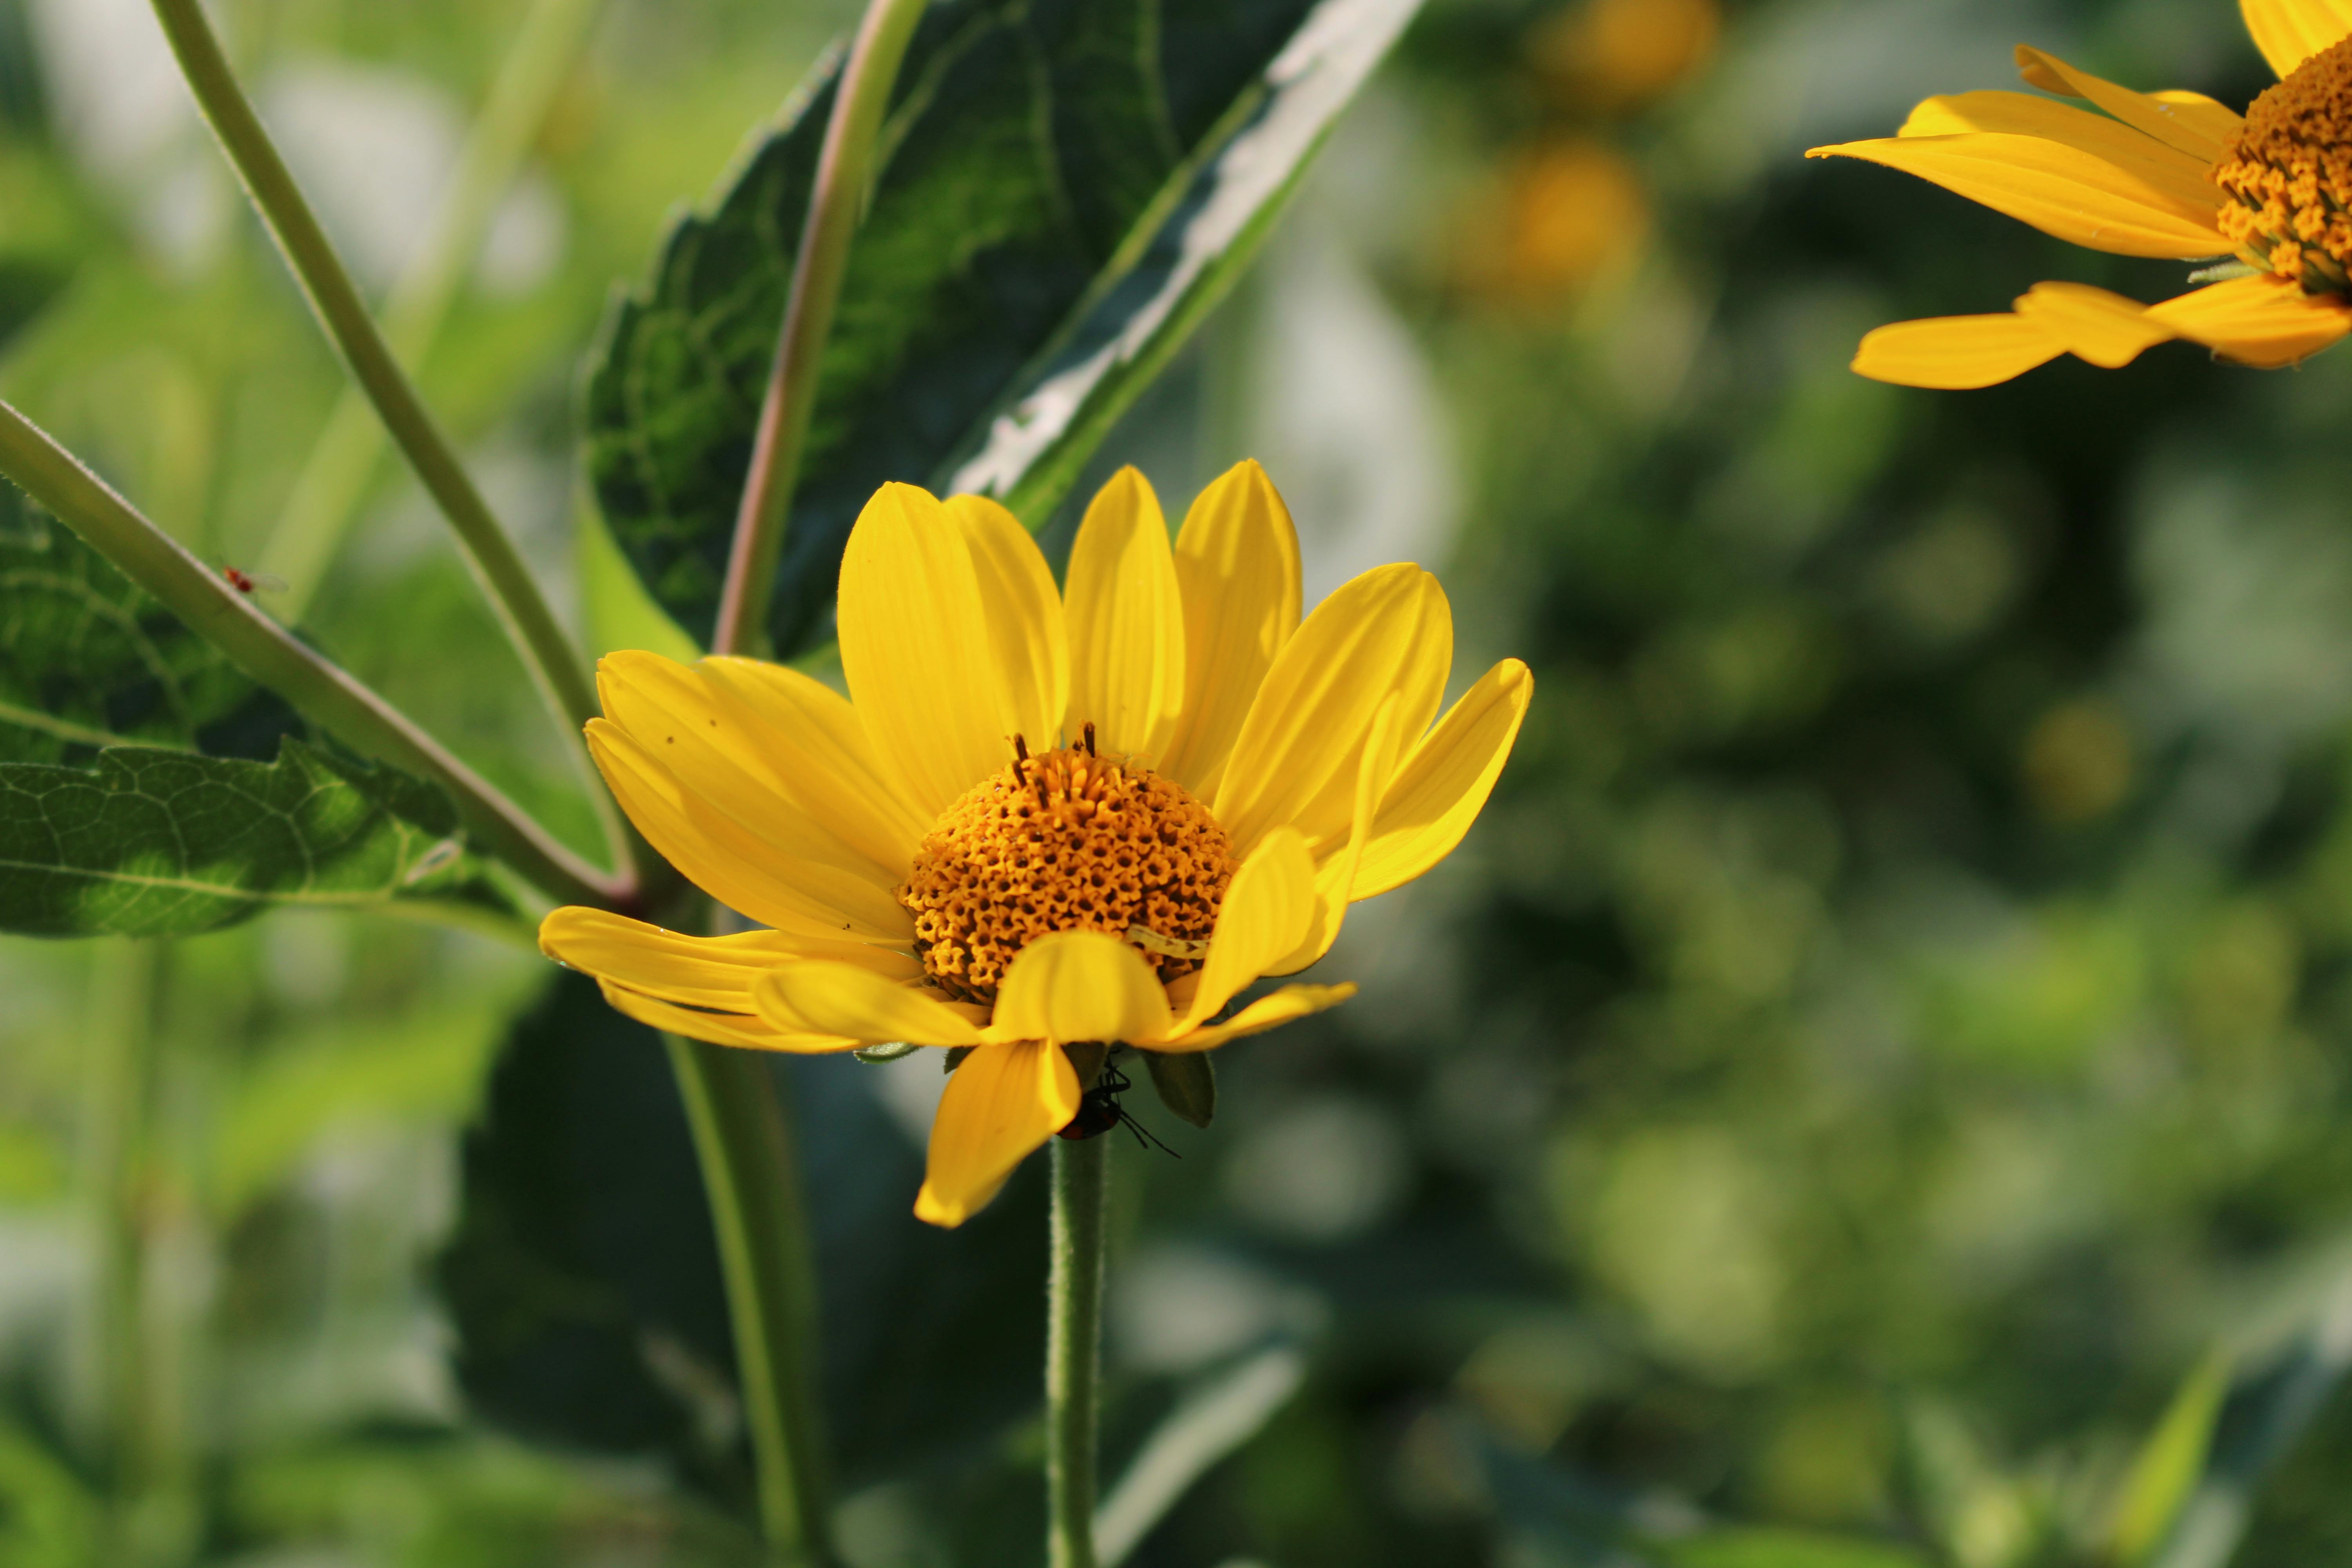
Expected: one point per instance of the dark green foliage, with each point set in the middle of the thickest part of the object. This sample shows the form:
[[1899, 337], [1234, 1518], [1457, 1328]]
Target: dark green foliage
[[87, 660], [1052, 220], [585, 1286], [156, 843]]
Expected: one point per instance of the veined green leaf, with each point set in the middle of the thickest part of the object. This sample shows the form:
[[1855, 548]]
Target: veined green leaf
[[148, 842], [87, 659], [1066, 190]]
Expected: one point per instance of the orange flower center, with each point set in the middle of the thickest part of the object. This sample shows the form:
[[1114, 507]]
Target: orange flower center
[[2291, 172], [1065, 841]]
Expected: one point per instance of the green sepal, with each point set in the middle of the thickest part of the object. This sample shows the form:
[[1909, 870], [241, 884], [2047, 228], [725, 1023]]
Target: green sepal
[[1187, 1083], [887, 1053], [955, 1057]]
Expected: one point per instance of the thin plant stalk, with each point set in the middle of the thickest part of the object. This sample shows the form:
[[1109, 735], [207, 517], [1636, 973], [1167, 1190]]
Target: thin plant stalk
[[752, 1183], [327, 494], [320, 690], [845, 175], [1074, 1298], [742, 1132], [555, 666]]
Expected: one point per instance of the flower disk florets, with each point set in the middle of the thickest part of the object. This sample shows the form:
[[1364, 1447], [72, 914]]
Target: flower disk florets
[[1064, 841], [2291, 172]]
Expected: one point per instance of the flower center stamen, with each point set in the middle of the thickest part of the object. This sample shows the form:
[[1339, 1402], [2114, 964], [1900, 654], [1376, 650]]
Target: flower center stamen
[[1064, 841], [2291, 174]]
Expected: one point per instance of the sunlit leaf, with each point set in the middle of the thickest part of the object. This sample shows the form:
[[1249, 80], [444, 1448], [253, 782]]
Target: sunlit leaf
[[2169, 1463], [1067, 190]]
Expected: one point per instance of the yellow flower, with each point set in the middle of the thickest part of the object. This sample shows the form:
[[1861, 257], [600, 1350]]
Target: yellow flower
[[1041, 820], [2169, 174]]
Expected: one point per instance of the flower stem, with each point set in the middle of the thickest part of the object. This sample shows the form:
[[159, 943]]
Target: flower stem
[[302, 544], [555, 666], [752, 1182], [1074, 1293], [319, 689], [844, 174]]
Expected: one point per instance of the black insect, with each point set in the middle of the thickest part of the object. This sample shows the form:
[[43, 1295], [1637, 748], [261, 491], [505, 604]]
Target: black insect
[[1100, 1111]]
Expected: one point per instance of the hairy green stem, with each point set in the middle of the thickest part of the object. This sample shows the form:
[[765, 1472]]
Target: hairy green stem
[[845, 174], [1074, 1296], [302, 544], [319, 689], [555, 666], [752, 1182]]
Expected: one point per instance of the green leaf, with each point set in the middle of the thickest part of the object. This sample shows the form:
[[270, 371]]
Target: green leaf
[[1066, 191], [159, 843], [88, 660], [584, 1288], [1216, 1417], [1186, 1082], [2170, 1465]]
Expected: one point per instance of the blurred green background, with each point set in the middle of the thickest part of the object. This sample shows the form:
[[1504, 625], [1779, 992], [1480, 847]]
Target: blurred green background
[[1884, 1047]]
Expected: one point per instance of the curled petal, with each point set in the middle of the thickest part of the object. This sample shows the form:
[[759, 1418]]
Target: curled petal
[[1074, 985]]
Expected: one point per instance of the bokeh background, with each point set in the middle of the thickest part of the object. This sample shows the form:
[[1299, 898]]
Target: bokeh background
[[1885, 1047]]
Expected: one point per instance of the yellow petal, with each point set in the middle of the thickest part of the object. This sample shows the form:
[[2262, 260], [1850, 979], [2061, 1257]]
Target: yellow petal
[[2186, 122], [1075, 985], [822, 756], [2158, 161], [1388, 631], [2290, 32], [1270, 1012], [716, 753], [1444, 785], [2265, 321], [1000, 1106], [1237, 564], [911, 623], [837, 998], [1025, 616], [1950, 353], [2077, 195], [2106, 328], [733, 866], [720, 1028], [1127, 621], [698, 971], [1266, 915], [1335, 878]]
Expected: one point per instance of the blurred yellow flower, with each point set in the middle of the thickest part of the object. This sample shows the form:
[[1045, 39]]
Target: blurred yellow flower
[[2172, 175], [1611, 55], [1041, 818], [1569, 212]]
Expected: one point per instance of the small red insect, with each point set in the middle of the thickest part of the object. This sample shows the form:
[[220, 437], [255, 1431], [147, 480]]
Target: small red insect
[[253, 581]]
